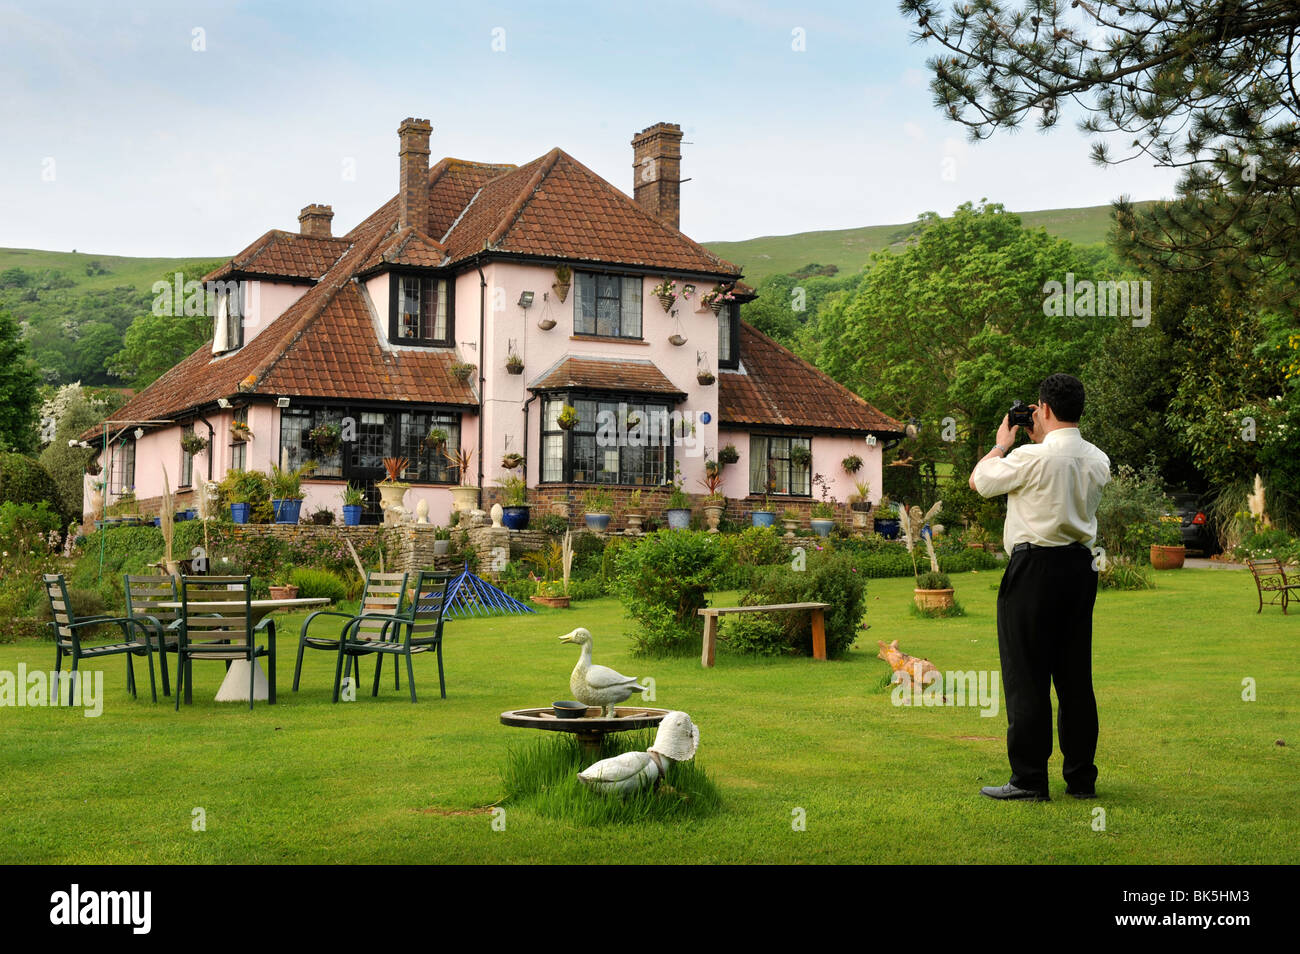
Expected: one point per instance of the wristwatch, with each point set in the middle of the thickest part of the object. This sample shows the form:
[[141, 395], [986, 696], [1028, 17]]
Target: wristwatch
[[1005, 450]]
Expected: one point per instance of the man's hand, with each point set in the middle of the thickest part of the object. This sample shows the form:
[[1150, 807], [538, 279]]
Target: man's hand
[[1007, 433]]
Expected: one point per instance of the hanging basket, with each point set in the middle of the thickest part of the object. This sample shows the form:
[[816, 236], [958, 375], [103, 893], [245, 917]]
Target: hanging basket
[[677, 340], [667, 301], [546, 324], [514, 367], [705, 378], [561, 290]]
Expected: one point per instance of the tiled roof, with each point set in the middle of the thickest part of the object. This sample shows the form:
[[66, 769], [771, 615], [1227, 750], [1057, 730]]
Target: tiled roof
[[556, 207], [408, 246], [284, 254], [605, 374], [776, 388]]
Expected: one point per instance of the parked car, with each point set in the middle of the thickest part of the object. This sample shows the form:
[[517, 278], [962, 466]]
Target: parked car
[[1200, 536]]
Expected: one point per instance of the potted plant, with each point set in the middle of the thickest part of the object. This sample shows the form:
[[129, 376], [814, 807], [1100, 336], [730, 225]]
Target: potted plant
[[860, 504], [597, 506], [192, 443], [715, 502], [764, 516], [464, 497], [354, 503], [568, 418], [634, 515], [555, 560], [514, 364], [512, 461], [800, 456], [822, 517], [716, 298], [704, 377], [461, 370], [240, 505], [441, 541], [887, 519], [321, 517], [728, 455], [436, 439], [1168, 552], [286, 492], [563, 281], [679, 504], [933, 591], [514, 503], [666, 292], [326, 437], [392, 488], [851, 464], [282, 588], [790, 519], [239, 432]]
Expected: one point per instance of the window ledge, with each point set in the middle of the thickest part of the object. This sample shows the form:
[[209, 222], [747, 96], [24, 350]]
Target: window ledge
[[613, 339]]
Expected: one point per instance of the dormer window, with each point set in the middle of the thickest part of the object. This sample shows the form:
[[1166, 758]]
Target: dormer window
[[420, 311], [228, 326]]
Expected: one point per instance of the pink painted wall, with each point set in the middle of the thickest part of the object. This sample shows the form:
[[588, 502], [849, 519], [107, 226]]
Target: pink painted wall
[[267, 301], [827, 454]]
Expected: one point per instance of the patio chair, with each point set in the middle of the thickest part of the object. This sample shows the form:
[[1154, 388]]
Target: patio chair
[[384, 594], [1270, 577], [143, 594], [226, 635], [65, 623], [417, 629]]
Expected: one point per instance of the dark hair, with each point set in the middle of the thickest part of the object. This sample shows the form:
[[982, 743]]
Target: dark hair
[[1064, 392]]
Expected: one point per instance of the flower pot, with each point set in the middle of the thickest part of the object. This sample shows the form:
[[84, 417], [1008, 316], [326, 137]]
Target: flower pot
[[860, 518], [1167, 558], [555, 602], [677, 340], [887, 527], [464, 498], [239, 512], [763, 518], [441, 547], [715, 306], [933, 599], [597, 521], [713, 515], [289, 592], [515, 518], [705, 379], [634, 523], [514, 369], [679, 518], [561, 290], [790, 527], [821, 526], [157, 521], [546, 324], [287, 511], [352, 515]]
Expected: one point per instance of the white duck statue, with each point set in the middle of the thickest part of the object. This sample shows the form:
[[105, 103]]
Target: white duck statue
[[597, 685], [677, 739]]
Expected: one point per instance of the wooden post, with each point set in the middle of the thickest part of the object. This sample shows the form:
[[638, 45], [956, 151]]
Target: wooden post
[[710, 637], [819, 633]]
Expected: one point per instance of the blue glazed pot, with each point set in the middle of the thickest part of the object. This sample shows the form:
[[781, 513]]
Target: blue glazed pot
[[191, 514], [821, 527], [764, 518], [352, 515], [516, 518], [287, 511], [239, 512], [679, 518], [599, 521], [887, 529]]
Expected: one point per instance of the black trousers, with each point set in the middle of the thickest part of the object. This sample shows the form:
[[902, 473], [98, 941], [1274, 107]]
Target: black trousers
[[1045, 606]]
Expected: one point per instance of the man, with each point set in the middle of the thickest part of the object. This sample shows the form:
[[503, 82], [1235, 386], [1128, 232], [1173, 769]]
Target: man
[[1047, 593]]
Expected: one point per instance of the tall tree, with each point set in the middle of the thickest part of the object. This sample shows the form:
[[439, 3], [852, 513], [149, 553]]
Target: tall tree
[[19, 394]]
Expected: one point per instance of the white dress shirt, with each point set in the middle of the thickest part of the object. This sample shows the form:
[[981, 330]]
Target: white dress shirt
[[1052, 489]]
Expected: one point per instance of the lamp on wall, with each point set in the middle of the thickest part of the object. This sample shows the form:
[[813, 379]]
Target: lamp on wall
[[223, 403], [139, 433], [871, 440], [526, 300], [282, 402]]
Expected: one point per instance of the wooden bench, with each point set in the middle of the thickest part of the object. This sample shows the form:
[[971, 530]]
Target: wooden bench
[[711, 614], [1270, 577]]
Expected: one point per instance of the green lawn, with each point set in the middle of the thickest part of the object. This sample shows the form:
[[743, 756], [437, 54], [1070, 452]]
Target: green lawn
[[1190, 773]]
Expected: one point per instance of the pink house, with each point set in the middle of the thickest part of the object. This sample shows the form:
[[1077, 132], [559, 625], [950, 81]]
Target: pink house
[[447, 308]]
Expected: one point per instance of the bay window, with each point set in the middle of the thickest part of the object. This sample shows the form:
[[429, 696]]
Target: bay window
[[616, 441]]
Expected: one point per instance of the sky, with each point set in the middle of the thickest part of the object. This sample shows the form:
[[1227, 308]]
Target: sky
[[189, 129]]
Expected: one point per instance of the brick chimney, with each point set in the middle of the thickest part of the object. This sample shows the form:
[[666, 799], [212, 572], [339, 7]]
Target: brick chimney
[[413, 198], [314, 221], [656, 172]]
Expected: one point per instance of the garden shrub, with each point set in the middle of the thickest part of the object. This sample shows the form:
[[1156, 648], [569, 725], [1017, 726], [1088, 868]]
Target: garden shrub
[[24, 480], [747, 550], [554, 524], [247, 486], [1124, 574], [832, 578], [755, 634], [313, 583], [1128, 517], [588, 550], [662, 580], [585, 590]]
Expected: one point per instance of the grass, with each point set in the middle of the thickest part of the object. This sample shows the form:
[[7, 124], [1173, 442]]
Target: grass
[[1190, 773]]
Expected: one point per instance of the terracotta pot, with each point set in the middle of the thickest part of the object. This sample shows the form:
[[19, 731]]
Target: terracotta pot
[[933, 599], [1167, 558], [713, 516], [284, 592], [555, 602]]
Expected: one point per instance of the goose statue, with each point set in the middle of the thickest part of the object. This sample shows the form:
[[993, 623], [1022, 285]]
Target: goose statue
[[597, 685], [677, 739]]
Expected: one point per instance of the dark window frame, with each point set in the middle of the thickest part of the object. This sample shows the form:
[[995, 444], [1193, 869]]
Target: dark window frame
[[731, 311], [769, 436], [594, 276], [121, 464], [641, 400], [394, 308]]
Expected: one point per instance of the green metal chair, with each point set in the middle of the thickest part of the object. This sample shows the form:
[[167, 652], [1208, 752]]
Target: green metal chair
[[67, 641], [384, 594], [227, 634], [143, 594], [417, 629]]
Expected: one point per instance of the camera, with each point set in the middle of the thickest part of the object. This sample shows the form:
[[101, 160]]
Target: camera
[[1021, 414]]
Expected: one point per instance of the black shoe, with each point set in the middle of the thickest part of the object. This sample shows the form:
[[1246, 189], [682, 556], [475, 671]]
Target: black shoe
[[1080, 794], [1009, 792]]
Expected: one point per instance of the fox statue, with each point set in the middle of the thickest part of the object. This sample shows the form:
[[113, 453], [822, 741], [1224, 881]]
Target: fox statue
[[907, 668]]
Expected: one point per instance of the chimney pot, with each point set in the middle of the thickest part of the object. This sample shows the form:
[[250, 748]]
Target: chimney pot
[[314, 221], [413, 197], [657, 172]]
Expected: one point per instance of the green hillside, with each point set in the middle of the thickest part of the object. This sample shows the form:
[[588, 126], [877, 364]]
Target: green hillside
[[849, 249]]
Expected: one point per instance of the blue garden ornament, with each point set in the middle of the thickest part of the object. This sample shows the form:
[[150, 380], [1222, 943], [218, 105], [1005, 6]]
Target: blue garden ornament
[[469, 595]]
